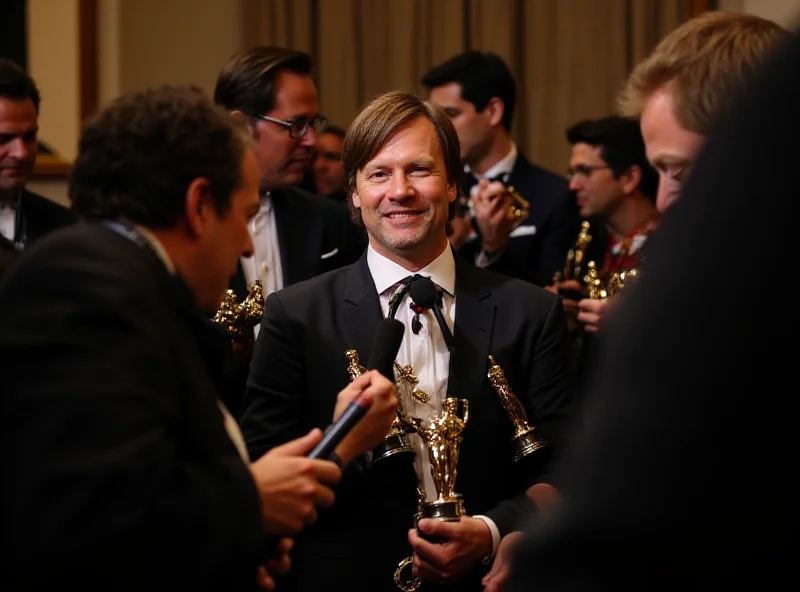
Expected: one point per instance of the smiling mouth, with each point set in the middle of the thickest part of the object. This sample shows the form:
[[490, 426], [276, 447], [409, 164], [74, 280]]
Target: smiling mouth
[[402, 215]]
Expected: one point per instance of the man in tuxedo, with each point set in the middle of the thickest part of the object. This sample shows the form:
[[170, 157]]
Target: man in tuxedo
[[296, 235], [24, 216], [478, 92], [403, 172], [127, 472], [715, 54], [665, 492]]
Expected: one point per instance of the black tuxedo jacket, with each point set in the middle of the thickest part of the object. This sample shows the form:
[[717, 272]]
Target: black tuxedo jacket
[[539, 246], [315, 235], [38, 216], [299, 367], [686, 477], [122, 474]]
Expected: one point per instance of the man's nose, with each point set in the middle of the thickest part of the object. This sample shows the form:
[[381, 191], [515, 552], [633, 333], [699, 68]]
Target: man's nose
[[19, 149]]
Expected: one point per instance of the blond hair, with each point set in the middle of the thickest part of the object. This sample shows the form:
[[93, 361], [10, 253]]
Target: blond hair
[[704, 62]]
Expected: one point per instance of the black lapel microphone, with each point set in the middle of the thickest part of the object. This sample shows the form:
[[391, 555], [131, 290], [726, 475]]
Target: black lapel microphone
[[384, 352], [423, 293]]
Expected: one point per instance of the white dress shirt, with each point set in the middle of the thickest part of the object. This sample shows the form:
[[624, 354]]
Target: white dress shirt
[[8, 221], [265, 264], [426, 351]]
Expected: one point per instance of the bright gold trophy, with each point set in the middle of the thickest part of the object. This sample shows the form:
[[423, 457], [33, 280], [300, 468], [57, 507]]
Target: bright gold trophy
[[240, 319], [518, 208], [595, 284], [527, 439], [618, 281], [396, 440], [574, 262], [442, 437]]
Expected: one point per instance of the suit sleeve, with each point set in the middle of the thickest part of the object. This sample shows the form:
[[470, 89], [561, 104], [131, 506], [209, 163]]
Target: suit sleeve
[[100, 476], [274, 400], [549, 407], [558, 238]]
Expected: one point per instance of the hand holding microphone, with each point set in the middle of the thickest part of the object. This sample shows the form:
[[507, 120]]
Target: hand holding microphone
[[366, 408]]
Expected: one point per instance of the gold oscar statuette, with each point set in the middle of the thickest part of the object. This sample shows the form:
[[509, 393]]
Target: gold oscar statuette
[[442, 437], [574, 262], [597, 288], [518, 208], [618, 281], [526, 439], [239, 319], [396, 440]]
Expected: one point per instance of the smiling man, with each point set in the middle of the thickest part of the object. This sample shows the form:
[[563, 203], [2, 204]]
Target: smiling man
[[403, 170]]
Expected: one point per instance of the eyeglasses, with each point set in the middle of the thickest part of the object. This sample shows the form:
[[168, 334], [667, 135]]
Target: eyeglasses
[[584, 170], [299, 126]]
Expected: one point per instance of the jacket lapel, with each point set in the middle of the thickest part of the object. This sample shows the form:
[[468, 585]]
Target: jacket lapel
[[299, 237], [475, 312], [362, 309]]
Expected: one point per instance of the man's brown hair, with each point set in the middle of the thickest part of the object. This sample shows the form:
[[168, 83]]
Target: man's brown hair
[[375, 124], [706, 61]]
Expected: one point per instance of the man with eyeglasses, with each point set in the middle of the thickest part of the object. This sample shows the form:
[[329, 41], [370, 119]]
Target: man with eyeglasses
[[615, 188], [297, 235]]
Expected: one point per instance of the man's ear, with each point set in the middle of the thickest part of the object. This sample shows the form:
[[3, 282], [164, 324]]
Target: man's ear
[[248, 121], [452, 192], [495, 109], [199, 206], [631, 179]]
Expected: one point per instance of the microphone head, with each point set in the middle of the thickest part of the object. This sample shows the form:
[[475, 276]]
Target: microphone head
[[385, 347], [423, 292]]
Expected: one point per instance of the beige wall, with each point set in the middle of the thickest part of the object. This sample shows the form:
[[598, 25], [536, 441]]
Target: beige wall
[[140, 43], [783, 12], [53, 62]]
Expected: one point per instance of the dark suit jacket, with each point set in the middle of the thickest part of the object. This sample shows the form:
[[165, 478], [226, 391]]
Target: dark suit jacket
[[553, 223], [122, 474], [686, 479], [299, 367], [38, 217], [315, 235]]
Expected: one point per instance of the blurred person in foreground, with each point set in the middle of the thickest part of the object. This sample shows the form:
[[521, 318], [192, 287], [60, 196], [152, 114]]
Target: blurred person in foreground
[[678, 93], [127, 471], [684, 478]]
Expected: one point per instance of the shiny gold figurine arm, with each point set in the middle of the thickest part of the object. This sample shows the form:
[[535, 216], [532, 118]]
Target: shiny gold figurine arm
[[597, 290], [354, 367], [239, 319], [526, 439]]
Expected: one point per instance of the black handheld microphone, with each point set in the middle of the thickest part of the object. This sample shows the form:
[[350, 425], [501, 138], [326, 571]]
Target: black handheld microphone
[[384, 351]]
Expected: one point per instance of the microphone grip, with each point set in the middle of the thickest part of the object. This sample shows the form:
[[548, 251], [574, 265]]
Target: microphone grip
[[338, 430]]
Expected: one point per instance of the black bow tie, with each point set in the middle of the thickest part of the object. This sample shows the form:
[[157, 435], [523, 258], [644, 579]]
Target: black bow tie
[[425, 295]]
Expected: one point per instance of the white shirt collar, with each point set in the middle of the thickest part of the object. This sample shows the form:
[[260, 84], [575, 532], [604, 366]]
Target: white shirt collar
[[386, 273], [502, 167]]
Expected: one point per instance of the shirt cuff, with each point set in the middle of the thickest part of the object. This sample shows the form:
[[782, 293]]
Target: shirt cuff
[[495, 537]]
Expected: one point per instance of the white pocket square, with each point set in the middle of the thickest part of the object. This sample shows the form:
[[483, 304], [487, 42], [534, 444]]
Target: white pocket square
[[523, 230], [329, 255]]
